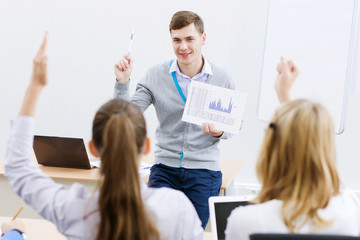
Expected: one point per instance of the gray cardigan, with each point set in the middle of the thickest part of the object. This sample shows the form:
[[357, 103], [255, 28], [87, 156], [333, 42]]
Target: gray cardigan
[[175, 137]]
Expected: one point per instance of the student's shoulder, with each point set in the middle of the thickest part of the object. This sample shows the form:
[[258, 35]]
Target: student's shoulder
[[255, 211], [349, 197], [245, 220]]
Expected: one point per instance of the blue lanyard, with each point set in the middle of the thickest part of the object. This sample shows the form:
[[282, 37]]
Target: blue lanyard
[[177, 84], [184, 100]]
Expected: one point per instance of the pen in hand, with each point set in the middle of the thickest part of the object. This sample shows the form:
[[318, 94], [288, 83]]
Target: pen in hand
[[131, 40], [22, 207]]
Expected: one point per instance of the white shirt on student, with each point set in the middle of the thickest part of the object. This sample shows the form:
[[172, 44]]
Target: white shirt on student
[[74, 210], [266, 217]]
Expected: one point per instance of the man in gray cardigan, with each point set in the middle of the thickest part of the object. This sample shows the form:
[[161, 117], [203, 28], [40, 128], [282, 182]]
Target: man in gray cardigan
[[186, 156]]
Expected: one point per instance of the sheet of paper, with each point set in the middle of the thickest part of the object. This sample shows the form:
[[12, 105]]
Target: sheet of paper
[[144, 169], [223, 107], [95, 162]]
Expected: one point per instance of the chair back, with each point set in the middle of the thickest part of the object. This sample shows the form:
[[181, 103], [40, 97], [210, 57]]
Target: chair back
[[277, 236]]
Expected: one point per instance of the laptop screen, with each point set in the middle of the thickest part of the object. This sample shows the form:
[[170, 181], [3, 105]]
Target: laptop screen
[[220, 210], [61, 152]]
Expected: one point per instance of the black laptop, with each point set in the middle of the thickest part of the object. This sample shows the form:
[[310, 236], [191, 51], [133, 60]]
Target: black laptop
[[62, 152], [220, 208]]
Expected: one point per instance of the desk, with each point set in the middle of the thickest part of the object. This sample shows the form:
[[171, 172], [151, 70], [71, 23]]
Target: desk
[[207, 236], [73, 174], [39, 229], [87, 177]]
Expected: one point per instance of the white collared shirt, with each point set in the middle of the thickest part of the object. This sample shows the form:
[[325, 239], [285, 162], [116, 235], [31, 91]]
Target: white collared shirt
[[74, 210], [343, 210], [184, 81]]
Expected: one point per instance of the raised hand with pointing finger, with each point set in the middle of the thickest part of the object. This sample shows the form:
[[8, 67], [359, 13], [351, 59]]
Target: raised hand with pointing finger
[[287, 73], [40, 74], [39, 79]]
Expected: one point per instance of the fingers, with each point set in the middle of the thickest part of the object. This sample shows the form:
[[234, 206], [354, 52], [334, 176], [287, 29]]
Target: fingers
[[278, 68], [291, 65], [41, 57], [130, 61], [205, 128], [40, 75], [43, 47], [123, 69], [16, 224], [288, 72], [281, 65], [293, 68], [5, 227], [286, 66], [213, 131], [209, 129], [124, 64]]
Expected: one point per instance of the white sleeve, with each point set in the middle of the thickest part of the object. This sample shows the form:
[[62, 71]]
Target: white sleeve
[[48, 198], [191, 225], [234, 230]]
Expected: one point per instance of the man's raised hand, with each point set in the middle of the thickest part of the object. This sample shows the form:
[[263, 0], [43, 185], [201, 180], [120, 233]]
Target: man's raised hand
[[123, 69]]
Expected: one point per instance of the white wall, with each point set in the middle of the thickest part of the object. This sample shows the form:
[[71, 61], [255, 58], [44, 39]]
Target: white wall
[[88, 37]]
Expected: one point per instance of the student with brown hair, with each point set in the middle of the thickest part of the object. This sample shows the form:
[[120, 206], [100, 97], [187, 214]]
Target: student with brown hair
[[187, 157], [296, 166], [124, 207]]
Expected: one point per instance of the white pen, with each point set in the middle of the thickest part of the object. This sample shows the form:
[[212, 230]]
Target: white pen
[[131, 40]]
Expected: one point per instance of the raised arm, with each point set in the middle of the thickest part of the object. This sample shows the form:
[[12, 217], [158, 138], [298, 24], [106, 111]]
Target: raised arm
[[287, 73], [143, 96], [38, 81], [52, 201]]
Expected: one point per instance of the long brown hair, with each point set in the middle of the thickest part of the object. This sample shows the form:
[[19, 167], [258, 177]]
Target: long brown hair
[[297, 163], [119, 133]]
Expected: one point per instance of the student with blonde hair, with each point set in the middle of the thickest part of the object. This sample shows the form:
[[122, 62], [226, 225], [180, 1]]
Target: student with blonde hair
[[124, 207], [296, 166]]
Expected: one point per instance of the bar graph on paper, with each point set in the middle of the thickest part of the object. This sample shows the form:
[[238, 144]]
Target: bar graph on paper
[[221, 106]]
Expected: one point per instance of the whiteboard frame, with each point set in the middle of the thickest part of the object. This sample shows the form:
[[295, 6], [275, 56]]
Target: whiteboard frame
[[350, 75]]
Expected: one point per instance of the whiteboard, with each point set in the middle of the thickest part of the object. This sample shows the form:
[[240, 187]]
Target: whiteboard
[[319, 36]]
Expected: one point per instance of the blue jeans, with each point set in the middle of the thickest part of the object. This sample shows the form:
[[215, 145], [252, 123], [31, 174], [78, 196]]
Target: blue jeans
[[197, 184]]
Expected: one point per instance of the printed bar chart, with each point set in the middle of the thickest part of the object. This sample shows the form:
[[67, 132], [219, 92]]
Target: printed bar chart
[[221, 106]]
